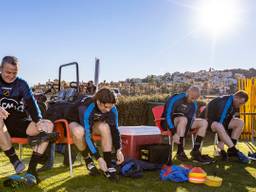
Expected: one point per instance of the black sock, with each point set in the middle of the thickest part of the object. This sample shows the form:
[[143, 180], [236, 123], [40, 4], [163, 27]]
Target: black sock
[[234, 141], [88, 159], [197, 144], [107, 158], [180, 146], [85, 153], [35, 159], [232, 150], [11, 155]]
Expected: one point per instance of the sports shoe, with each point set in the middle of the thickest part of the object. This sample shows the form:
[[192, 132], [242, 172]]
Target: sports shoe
[[252, 156], [239, 155], [207, 157], [14, 181], [111, 174], [93, 171], [18, 166], [47, 166], [30, 179], [199, 158], [223, 155], [182, 156]]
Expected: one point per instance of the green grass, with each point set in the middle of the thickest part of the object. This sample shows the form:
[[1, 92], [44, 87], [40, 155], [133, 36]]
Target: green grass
[[236, 177]]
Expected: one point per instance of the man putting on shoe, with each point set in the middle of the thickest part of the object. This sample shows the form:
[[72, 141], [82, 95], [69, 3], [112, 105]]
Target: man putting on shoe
[[16, 101], [220, 113], [97, 115], [179, 116]]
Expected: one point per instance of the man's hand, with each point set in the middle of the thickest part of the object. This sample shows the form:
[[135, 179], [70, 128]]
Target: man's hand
[[176, 138], [102, 164], [119, 157], [3, 113]]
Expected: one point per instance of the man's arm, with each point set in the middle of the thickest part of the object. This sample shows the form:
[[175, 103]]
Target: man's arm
[[88, 135], [225, 109], [114, 129], [31, 103], [169, 110]]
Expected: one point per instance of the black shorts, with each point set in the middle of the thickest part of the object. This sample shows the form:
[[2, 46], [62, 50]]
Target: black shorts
[[17, 127]]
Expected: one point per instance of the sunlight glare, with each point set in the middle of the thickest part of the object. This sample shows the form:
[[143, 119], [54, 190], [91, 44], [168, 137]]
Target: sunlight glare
[[218, 17]]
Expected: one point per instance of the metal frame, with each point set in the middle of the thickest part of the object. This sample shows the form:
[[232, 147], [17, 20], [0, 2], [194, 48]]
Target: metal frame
[[77, 73]]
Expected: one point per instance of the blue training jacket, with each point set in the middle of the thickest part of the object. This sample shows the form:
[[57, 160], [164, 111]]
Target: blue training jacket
[[89, 114], [220, 109], [17, 99], [177, 105]]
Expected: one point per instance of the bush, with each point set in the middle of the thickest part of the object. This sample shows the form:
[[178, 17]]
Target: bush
[[136, 110]]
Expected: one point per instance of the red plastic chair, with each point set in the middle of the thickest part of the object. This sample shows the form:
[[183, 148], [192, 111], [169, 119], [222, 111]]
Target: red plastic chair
[[61, 126], [157, 113], [20, 142]]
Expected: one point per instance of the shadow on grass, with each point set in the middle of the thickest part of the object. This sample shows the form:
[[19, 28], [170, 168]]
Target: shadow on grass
[[19, 188], [235, 178]]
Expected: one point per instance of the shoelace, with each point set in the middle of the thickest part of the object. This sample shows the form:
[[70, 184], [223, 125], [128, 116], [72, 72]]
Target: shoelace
[[90, 166], [111, 170], [109, 173]]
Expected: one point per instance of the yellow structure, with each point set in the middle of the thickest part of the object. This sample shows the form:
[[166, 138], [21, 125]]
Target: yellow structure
[[248, 112]]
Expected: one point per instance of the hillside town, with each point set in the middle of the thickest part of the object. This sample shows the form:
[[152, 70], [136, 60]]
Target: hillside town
[[211, 82]]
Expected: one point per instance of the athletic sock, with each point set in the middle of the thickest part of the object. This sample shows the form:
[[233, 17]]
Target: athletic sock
[[108, 157], [180, 146], [234, 141], [197, 144], [10, 153], [35, 159]]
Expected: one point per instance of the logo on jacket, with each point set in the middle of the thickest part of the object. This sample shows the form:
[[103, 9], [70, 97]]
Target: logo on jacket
[[6, 91], [8, 103]]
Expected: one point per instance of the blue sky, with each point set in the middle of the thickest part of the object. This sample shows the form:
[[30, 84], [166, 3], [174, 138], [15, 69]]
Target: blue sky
[[133, 38]]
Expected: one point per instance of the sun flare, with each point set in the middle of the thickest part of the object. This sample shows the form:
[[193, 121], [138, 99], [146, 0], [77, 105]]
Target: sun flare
[[218, 17]]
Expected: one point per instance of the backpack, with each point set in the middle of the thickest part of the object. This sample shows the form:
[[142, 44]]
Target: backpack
[[57, 110], [134, 168], [60, 108], [130, 168]]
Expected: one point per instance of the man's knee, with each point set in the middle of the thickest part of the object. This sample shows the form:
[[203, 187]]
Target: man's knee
[[203, 127], [217, 127], [201, 124], [2, 127], [47, 125], [76, 130], [103, 128], [240, 124], [181, 120], [204, 123]]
